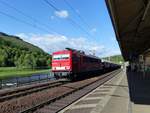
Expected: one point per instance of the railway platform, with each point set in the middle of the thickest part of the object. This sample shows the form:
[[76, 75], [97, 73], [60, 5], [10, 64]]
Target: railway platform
[[113, 97]]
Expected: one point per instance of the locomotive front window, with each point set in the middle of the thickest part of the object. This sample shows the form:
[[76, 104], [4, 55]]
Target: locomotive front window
[[60, 56]]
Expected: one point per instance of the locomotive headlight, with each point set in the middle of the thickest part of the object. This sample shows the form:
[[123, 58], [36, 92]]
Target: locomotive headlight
[[67, 67]]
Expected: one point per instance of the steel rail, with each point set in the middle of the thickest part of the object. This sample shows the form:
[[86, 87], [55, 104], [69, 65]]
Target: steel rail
[[42, 104], [29, 90]]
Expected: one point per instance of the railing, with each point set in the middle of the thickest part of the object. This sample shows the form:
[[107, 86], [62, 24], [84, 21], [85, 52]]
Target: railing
[[19, 81]]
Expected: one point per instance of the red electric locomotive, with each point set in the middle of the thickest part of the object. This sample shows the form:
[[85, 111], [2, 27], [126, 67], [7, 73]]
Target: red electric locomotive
[[71, 63]]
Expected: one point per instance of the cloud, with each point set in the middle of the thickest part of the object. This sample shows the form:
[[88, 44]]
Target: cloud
[[93, 30], [52, 17], [51, 43], [62, 14], [110, 52]]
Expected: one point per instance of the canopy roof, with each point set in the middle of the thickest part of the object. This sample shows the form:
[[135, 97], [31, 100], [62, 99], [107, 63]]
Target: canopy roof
[[131, 22]]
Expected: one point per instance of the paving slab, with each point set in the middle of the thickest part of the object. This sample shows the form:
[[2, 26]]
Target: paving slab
[[112, 97], [91, 100], [119, 100]]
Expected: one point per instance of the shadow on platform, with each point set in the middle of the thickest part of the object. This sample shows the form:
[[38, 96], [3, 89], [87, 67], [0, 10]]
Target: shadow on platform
[[139, 87]]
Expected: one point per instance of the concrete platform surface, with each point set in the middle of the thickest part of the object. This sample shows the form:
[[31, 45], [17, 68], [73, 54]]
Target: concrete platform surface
[[112, 97], [96, 100]]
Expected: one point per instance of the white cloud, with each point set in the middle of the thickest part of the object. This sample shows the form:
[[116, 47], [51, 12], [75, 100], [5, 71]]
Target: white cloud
[[51, 43], [52, 17], [62, 13], [93, 30], [110, 52]]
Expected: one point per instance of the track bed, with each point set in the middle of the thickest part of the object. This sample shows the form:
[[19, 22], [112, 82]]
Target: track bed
[[53, 99]]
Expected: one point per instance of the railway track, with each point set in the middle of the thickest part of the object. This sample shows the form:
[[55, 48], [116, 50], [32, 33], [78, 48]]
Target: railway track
[[69, 97], [25, 90], [43, 101]]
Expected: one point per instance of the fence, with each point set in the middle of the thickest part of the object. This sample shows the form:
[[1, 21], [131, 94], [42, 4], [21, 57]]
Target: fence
[[19, 81]]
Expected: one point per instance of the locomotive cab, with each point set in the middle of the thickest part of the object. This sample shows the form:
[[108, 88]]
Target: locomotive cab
[[61, 63]]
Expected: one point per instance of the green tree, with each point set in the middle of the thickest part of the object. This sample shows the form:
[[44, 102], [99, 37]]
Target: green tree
[[29, 61], [49, 61], [3, 58], [16, 52], [19, 61]]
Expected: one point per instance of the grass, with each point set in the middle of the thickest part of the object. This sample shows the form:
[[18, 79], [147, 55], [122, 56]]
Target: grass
[[10, 72]]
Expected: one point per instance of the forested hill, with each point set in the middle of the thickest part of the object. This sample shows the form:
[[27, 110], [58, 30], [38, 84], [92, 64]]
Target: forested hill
[[115, 58], [16, 52]]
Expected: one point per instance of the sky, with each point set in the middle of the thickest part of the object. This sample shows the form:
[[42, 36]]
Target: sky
[[56, 24]]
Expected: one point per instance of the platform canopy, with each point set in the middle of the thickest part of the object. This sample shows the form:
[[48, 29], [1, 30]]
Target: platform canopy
[[131, 22]]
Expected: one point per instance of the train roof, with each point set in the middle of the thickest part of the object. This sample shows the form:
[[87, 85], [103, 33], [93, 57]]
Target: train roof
[[61, 52], [75, 51], [109, 62], [92, 56], [83, 53]]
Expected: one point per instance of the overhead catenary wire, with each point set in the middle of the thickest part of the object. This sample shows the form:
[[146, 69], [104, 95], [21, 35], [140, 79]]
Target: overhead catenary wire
[[17, 10], [78, 14], [27, 16], [81, 18], [22, 21], [74, 23]]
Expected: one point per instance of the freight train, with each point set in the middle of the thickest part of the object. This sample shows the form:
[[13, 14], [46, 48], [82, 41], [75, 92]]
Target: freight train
[[71, 63]]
